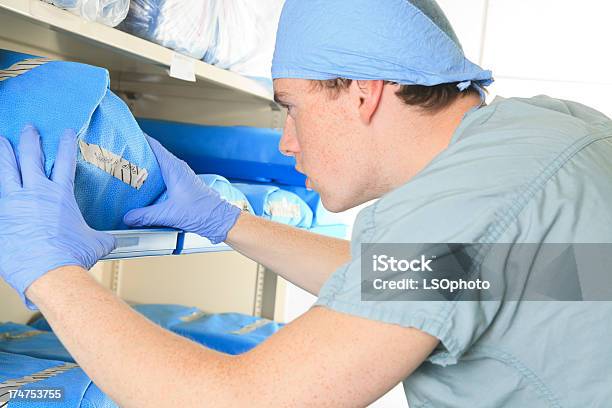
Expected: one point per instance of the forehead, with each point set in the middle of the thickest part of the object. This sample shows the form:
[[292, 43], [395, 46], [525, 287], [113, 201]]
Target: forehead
[[288, 87]]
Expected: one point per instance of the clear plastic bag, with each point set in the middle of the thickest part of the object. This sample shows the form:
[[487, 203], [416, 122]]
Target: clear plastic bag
[[246, 36], [238, 35], [108, 12], [187, 26]]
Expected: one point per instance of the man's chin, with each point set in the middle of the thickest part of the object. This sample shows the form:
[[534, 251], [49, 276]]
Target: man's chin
[[333, 203]]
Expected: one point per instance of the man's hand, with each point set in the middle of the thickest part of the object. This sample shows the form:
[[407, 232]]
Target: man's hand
[[191, 205], [41, 226]]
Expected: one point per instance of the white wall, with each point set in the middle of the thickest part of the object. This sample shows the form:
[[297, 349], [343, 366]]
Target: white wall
[[553, 47], [214, 282]]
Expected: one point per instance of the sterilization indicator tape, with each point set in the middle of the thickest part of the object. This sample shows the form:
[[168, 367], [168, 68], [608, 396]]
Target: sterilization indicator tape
[[22, 67], [7, 386], [113, 164]]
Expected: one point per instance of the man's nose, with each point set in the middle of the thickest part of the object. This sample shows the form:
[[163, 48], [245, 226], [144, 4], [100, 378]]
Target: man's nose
[[288, 144]]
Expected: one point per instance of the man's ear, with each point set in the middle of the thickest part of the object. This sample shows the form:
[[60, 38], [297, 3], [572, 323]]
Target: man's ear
[[370, 95]]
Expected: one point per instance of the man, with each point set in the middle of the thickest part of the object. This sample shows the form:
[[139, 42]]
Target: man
[[381, 104]]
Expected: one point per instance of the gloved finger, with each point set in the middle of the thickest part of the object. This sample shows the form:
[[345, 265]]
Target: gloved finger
[[10, 179], [108, 244], [65, 162], [31, 158], [172, 168], [151, 216]]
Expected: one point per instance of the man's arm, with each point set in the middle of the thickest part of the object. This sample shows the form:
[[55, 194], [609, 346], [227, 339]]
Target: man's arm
[[194, 207], [324, 358], [303, 258]]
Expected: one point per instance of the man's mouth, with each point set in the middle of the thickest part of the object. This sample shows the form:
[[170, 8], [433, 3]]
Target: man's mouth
[[309, 183]]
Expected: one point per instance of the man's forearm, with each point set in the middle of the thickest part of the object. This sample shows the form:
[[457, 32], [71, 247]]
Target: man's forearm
[[303, 258], [323, 359], [124, 353]]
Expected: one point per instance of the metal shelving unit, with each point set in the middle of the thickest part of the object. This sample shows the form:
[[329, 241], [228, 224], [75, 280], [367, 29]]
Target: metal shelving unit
[[159, 242], [141, 74], [140, 70]]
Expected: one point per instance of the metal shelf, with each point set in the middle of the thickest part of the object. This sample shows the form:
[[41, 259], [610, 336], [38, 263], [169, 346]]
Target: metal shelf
[[139, 69], [140, 74], [143, 242], [189, 243], [139, 243]]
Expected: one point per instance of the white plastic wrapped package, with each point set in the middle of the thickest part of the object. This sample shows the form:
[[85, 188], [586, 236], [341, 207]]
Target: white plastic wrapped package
[[246, 36], [238, 35], [187, 26], [108, 12]]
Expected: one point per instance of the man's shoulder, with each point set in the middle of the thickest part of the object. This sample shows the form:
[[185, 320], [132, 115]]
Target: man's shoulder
[[500, 154]]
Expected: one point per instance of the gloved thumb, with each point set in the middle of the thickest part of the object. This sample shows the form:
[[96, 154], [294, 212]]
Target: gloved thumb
[[146, 216]]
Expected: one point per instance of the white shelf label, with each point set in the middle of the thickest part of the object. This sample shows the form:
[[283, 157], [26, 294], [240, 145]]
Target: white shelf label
[[182, 67]]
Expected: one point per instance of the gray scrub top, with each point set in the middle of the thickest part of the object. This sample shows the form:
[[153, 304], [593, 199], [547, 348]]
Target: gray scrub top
[[517, 171]]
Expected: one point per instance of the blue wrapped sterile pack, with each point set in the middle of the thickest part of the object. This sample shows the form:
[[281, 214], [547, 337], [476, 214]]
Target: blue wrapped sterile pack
[[231, 333], [27, 340], [116, 169], [225, 189], [235, 152], [66, 384], [276, 204]]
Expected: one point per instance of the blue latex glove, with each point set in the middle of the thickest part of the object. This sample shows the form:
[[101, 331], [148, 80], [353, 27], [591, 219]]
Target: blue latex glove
[[41, 226], [191, 205]]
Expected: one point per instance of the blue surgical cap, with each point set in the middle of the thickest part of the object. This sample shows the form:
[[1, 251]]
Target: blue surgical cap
[[409, 42]]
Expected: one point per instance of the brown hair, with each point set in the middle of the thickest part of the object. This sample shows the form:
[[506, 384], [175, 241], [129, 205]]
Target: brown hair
[[431, 99]]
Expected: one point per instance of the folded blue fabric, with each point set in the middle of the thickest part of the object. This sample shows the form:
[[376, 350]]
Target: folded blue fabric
[[40, 324], [278, 205], [166, 315], [162, 315], [235, 152], [116, 169], [324, 221], [26, 340], [322, 216], [95, 398], [230, 333], [225, 189], [310, 197], [23, 373]]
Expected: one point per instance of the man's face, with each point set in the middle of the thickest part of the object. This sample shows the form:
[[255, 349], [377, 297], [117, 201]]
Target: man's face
[[325, 135]]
